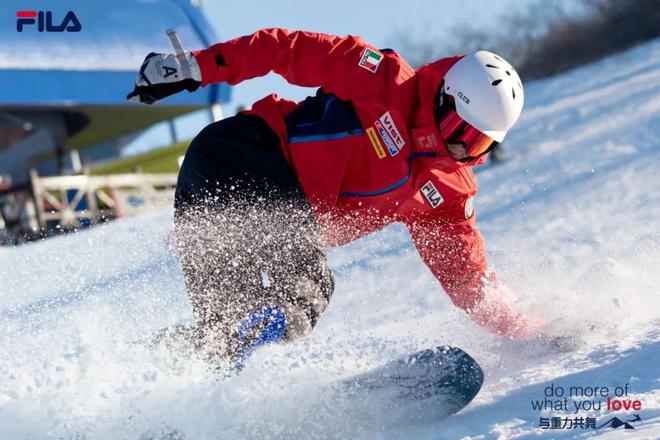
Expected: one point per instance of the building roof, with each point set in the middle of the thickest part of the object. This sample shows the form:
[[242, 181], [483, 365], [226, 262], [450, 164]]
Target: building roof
[[73, 85]]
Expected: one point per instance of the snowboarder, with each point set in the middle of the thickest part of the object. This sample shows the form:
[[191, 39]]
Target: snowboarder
[[261, 193]]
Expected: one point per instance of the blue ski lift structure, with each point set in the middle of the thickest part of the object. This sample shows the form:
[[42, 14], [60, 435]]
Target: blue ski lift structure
[[64, 90]]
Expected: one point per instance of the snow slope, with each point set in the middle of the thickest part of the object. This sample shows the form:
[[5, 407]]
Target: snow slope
[[571, 224]]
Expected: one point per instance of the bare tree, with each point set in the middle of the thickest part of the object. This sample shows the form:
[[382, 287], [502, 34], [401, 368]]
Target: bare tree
[[549, 37]]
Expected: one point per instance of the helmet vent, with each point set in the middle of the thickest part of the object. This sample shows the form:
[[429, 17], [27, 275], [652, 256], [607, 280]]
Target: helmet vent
[[496, 82], [513, 92], [491, 66]]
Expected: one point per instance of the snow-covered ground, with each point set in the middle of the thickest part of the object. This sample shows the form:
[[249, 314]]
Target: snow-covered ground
[[571, 224]]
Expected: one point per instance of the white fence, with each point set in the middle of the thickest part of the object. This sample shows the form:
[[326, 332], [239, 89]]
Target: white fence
[[66, 200]]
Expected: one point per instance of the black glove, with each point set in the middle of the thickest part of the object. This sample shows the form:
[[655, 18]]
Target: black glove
[[162, 75]]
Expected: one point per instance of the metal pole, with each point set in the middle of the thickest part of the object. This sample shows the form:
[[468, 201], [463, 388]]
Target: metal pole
[[173, 134], [180, 54], [59, 158]]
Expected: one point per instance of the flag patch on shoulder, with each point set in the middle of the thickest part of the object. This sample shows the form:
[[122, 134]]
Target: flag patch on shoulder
[[370, 60], [431, 194]]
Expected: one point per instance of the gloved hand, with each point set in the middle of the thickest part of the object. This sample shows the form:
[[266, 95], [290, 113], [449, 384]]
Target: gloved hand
[[496, 313], [162, 75]]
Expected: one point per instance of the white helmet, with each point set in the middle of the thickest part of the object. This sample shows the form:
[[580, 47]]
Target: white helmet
[[487, 92]]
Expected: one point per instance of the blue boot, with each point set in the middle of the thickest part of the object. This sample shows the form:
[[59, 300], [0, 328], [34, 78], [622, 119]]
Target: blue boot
[[262, 327]]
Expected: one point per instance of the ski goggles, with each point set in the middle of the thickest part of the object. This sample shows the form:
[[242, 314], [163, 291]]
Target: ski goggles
[[455, 130]]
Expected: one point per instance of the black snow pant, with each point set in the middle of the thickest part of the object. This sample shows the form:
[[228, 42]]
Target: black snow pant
[[246, 235]]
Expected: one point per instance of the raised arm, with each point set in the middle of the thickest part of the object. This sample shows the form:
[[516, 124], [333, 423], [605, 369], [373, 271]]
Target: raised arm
[[345, 66]]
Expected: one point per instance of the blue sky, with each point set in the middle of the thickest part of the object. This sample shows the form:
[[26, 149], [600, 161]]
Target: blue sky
[[376, 21]]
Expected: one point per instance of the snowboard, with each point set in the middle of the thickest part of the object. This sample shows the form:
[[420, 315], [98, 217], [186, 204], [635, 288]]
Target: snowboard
[[431, 384]]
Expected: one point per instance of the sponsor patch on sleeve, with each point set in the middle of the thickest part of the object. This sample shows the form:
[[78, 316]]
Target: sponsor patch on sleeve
[[370, 60], [469, 208], [375, 142], [431, 194]]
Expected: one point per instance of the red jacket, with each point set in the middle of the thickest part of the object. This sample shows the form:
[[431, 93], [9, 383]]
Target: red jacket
[[367, 151]]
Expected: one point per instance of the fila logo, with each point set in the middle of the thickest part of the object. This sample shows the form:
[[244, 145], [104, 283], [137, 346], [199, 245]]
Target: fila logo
[[431, 194], [388, 123], [44, 21]]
